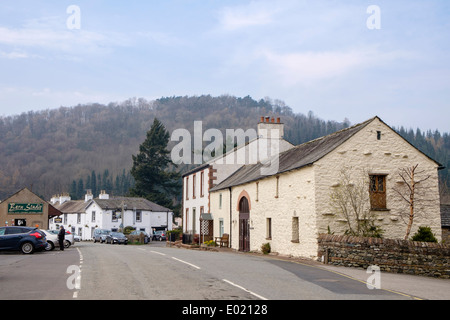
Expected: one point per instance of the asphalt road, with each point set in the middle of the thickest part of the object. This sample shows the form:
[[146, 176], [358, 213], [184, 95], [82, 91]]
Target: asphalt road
[[89, 271]]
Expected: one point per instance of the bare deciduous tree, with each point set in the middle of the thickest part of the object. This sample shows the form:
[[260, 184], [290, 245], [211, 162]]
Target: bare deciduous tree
[[350, 199], [409, 193]]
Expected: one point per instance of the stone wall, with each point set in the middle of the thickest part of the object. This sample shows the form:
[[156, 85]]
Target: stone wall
[[397, 256]]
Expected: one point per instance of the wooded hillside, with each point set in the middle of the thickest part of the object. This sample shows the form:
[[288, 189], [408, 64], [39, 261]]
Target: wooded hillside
[[52, 151]]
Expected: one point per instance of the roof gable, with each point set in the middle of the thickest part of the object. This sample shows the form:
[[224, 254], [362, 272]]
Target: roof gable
[[298, 157]]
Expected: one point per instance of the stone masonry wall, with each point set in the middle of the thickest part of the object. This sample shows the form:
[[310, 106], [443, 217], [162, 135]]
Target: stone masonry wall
[[396, 256]]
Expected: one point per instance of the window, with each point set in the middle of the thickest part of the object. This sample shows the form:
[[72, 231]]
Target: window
[[277, 187], [114, 216], [93, 216], [138, 216], [378, 135], [377, 192], [187, 188], [193, 220], [221, 227], [268, 228], [257, 191], [193, 186], [78, 218], [220, 201], [186, 219], [295, 230], [202, 182]]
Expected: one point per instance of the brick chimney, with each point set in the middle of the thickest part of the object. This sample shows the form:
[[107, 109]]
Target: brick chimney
[[268, 124]]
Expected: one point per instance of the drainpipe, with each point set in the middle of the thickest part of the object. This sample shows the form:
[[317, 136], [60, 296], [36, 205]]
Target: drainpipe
[[231, 216]]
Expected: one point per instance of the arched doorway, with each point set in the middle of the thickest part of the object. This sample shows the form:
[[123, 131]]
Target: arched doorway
[[244, 225]]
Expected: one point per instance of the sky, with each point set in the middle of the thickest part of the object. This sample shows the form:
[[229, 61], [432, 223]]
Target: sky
[[350, 59]]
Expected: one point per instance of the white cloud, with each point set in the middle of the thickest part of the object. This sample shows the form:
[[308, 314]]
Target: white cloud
[[312, 66], [51, 35], [252, 14], [13, 55]]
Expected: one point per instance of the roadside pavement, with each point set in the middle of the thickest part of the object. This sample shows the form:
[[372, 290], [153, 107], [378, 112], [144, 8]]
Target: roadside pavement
[[420, 287]]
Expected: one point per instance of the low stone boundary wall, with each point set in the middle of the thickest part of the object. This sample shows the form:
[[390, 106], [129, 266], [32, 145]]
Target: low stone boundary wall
[[397, 256]]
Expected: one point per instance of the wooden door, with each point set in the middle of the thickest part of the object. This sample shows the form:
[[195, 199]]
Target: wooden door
[[244, 225]]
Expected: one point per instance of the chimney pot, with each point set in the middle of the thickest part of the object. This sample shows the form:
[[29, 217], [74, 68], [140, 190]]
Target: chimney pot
[[262, 119], [273, 120], [278, 120]]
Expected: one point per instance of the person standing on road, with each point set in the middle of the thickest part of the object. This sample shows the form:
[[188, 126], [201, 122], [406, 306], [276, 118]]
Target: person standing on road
[[61, 237]]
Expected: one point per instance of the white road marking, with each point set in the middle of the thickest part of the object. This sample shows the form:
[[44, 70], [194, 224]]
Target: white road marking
[[78, 279], [190, 264], [162, 254], [246, 290]]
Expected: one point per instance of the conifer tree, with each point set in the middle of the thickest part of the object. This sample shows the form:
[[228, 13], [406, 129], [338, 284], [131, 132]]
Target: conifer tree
[[151, 168]]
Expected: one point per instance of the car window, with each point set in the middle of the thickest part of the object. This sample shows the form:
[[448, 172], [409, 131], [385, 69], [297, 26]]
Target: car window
[[2, 231], [13, 231]]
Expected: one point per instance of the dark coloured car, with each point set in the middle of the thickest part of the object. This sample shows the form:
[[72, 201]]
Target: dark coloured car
[[25, 239], [116, 237], [159, 236], [139, 232]]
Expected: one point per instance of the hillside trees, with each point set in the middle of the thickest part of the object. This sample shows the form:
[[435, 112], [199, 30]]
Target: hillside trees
[[50, 149]]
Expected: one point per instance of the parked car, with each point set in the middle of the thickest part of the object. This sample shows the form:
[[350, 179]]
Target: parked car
[[101, 234], [139, 232], [159, 235], [116, 237], [69, 238], [25, 239], [77, 238]]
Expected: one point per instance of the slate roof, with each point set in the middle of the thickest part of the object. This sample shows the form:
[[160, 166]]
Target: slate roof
[[116, 203], [445, 215], [73, 206], [295, 158]]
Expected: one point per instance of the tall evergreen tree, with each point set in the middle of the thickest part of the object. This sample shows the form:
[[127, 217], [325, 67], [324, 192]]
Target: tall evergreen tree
[[154, 179]]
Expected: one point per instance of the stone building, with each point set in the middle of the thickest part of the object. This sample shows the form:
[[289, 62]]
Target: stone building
[[24, 208], [289, 209]]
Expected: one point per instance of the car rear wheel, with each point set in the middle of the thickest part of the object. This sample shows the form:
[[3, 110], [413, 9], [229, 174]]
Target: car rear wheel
[[27, 248], [66, 244], [50, 246]]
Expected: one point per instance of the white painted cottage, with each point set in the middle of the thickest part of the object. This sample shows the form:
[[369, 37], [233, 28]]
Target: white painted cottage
[[198, 182], [290, 208], [82, 217]]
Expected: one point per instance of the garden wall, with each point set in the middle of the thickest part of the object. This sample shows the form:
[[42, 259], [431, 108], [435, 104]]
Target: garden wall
[[397, 256]]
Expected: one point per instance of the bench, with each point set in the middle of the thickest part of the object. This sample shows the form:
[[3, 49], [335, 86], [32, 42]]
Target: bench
[[223, 240]]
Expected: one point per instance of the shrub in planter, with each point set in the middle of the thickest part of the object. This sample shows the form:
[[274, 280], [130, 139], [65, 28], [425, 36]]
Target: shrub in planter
[[265, 248]]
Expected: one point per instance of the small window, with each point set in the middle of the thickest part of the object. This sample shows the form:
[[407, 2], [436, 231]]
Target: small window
[[220, 201], [268, 228], [295, 230], [377, 192], [138, 216], [378, 135], [277, 187], [193, 186]]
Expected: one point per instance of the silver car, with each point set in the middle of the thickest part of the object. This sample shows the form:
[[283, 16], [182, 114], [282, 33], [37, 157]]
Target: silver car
[[101, 234], [52, 239]]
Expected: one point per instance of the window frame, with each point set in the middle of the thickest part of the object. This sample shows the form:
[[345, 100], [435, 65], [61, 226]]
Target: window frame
[[377, 191]]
